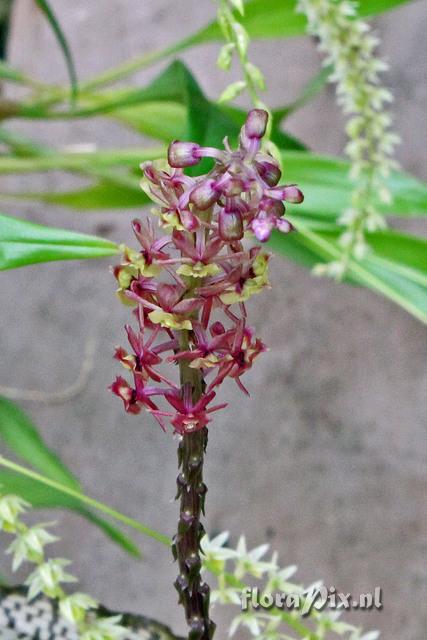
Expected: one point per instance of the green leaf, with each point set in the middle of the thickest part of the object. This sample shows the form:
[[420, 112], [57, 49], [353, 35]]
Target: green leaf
[[395, 268], [11, 74], [22, 437], [327, 187], [41, 497], [84, 499], [205, 122], [62, 41], [103, 195], [23, 243], [278, 19], [160, 120]]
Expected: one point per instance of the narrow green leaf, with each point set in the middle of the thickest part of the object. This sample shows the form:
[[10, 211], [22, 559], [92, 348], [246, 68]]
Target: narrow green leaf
[[87, 162], [22, 145], [11, 74], [103, 195], [327, 187], [396, 267], [22, 437], [62, 41], [43, 497], [23, 243], [86, 500]]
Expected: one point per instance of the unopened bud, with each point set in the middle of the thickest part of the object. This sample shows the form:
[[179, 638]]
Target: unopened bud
[[290, 193], [284, 225], [256, 123], [230, 225], [204, 195], [269, 172], [274, 207], [183, 154]]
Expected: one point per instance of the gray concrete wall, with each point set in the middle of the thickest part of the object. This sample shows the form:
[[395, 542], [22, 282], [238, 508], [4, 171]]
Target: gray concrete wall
[[327, 459]]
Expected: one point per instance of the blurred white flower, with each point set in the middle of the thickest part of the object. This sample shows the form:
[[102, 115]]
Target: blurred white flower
[[47, 577], [29, 545]]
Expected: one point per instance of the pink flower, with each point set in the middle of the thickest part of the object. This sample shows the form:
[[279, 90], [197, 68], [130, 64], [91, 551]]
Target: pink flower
[[189, 416]]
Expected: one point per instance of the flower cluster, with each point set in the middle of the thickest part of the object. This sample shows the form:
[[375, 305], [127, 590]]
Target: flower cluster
[[50, 573], [184, 283], [349, 46], [232, 568]]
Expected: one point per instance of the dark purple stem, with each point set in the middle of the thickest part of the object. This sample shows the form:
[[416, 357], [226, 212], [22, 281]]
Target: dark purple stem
[[194, 593]]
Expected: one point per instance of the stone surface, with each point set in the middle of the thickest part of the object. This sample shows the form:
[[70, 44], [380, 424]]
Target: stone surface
[[327, 458]]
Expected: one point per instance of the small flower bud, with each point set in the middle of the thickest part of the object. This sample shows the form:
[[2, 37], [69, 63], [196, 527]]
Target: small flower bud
[[284, 225], [204, 195], [230, 225], [290, 193], [273, 207], [256, 123], [269, 172], [183, 154]]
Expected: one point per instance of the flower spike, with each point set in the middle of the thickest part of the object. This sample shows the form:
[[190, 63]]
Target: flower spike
[[198, 269]]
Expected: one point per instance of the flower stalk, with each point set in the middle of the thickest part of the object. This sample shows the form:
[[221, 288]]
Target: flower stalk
[[189, 290]]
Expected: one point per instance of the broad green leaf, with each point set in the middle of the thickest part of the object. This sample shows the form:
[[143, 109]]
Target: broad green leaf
[[62, 41], [396, 268], [23, 243], [42, 497], [22, 437], [278, 19]]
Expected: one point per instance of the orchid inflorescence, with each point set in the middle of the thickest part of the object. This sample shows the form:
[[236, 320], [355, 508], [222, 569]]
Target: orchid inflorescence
[[178, 282], [184, 285]]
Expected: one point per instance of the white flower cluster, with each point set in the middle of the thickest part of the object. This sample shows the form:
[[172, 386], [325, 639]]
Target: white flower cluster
[[232, 567], [49, 574], [237, 41], [349, 46]]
